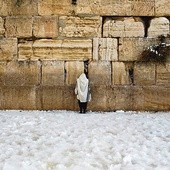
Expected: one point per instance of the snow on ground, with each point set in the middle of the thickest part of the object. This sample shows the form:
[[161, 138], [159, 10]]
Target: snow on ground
[[66, 140]]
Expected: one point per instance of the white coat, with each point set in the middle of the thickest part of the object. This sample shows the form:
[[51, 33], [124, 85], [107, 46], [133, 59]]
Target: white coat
[[82, 89]]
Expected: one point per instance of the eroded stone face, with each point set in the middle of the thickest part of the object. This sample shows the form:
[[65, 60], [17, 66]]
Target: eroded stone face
[[46, 49], [70, 26], [100, 73], [105, 49], [45, 26], [8, 49], [73, 70], [18, 26], [53, 7], [23, 73], [2, 29], [116, 7], [123, 27], [162, 7], [18, 7], [144, 74], [52, 73], [159, 26]]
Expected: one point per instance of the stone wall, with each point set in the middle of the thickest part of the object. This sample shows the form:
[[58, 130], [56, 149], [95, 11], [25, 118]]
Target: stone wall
[[44, 45]]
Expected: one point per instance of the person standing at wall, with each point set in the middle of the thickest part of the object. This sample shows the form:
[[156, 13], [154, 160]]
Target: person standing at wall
[[82, 91]]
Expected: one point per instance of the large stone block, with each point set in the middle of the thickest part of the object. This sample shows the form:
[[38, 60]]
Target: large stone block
[[18, 7], [159, 26], [18, 26], [20, 73], [46, 49], [162, 7], [8, 49], [120, 74], [52, 73], [2, 29], [73, 71], [45, 26], [105, 49], [163, 74], [53, 7], [116, 7], [130, 49], [70, 26], [154, 98], [123, 27], [60, 98], [100, 73], [18, 98], [144, 74]]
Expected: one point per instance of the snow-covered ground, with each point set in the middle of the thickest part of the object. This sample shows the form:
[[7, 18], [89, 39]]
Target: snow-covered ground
[[66, 140]]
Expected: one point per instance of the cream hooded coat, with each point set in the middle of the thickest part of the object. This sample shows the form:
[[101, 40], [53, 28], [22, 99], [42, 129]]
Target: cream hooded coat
[[82, 88]]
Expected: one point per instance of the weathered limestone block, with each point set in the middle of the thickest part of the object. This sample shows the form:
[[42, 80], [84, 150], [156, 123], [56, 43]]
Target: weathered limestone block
[[18, 98], [163, 74], [120, 75], [45, 26], [53, 7], [18, 26], [70, 26], [59, 97], [130, 49], [46, 49], [100, 73], [99, 98], [52, 73], [8, 49], [18, 7], [144, 74], [120, 98], [154, 98], [116, 7], [105, 49], [162, 7], [123, 27], [20, 73], [2, 29], [73, 71], [159, 26]]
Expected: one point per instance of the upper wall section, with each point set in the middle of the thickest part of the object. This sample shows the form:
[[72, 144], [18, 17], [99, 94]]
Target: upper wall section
[[86, 7]]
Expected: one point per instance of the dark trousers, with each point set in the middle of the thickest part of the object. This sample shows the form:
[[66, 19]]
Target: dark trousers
[[82, 106]]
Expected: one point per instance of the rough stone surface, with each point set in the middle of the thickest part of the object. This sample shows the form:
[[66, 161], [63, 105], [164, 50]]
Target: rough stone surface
[[45, 26], [73, 71], [18, 26], [123, 27], [100, 73], [18, 98], [120, 75], [159, 26], [116, 7], [46, 49], [144, 74], [130, 49], [8, 49], [163, 74], [152, 98], [105, 49], [70, 26], [18, 7], [21, 73], [53, 7], [2, 29], [162, 7], [52, 73]]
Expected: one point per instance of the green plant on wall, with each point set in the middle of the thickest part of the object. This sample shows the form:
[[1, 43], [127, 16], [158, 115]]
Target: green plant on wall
[[157, 52], [18, 3]]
